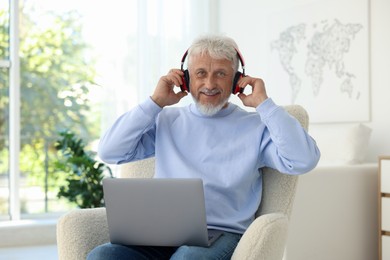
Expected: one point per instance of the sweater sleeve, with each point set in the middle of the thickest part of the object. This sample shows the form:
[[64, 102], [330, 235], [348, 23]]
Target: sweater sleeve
[[132, 136], [286, 145]]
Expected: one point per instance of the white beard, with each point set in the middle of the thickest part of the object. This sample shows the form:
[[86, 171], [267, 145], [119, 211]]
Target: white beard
[[209, 109]]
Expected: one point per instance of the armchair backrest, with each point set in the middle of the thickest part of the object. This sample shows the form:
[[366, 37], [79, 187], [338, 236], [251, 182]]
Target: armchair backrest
[[138, 169], [278, 189]]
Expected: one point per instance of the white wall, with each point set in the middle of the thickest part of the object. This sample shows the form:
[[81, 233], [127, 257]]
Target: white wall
[[246, 22]]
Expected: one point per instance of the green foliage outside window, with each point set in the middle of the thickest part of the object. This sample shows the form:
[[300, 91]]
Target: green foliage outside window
[[57, 76]]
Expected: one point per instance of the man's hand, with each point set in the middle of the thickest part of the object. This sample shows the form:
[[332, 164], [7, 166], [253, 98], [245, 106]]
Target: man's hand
[[164, 95], [258, 94]]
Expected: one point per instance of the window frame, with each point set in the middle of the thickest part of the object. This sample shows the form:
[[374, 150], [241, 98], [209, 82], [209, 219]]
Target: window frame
[[14, 107], [13, 66]]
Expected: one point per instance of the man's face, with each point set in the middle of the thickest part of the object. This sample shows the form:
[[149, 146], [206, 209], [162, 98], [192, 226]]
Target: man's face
[[210, 81]]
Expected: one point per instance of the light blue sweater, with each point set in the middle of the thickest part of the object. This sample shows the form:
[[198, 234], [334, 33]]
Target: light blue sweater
[[227, 151]]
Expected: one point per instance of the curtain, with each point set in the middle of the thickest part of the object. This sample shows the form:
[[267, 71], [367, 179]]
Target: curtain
[[165, 29]]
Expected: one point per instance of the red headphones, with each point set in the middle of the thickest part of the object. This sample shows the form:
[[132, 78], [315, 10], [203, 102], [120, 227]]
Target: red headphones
[[235, 88]]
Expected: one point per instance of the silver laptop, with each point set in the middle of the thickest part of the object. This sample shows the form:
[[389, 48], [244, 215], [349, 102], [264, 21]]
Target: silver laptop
[[157, 212]]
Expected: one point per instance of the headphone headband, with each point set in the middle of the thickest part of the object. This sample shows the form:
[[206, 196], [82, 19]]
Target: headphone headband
[[241, 60], [183, 59]]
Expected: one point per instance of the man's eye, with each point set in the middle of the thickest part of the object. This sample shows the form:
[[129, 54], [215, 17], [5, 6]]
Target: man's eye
[[200, 74], [221, 74]]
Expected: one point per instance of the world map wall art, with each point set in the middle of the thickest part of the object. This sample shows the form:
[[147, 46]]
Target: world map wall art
[[319, 58]]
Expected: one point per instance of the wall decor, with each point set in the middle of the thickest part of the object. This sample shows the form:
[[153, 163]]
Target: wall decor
[[319, 58]]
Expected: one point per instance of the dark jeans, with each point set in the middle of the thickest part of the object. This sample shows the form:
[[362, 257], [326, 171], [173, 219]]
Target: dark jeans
[[223, 248]]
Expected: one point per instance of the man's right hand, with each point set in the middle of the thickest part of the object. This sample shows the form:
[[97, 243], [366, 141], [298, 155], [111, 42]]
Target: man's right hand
[[164, 94]]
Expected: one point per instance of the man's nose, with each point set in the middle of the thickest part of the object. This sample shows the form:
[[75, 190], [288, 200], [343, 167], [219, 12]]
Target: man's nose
[[210, 82]]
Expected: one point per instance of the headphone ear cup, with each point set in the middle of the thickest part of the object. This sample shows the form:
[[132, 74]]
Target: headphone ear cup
[[186, 81], [235, 88]]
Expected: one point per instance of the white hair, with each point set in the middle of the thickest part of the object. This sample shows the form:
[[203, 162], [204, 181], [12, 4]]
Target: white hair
[[217, 46]]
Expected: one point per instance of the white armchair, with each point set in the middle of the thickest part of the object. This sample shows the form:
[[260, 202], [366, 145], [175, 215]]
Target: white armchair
[[80, 230]]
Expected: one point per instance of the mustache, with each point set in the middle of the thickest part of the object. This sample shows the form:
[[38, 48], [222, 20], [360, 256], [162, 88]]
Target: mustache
[[208, 91]]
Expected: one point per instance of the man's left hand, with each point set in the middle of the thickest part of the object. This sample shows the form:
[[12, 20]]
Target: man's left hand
[[258, 95]]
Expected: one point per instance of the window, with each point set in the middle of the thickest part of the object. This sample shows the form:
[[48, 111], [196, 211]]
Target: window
[[81, 64], [4, 111]]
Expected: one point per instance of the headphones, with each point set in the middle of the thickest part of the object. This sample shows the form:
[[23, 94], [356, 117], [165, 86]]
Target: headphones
[[235, 88]]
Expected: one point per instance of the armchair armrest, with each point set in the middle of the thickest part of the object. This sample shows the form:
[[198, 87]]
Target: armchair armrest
[[79, 231], [264, 239]]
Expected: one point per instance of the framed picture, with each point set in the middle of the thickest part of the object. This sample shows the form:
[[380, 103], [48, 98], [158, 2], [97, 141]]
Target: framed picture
[[319, 58]]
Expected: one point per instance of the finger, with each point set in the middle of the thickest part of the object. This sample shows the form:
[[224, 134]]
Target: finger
[[242, 96], [176, 71], [181, 94], [170, 80], [177, 79], [244, 81], [176, 76]]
